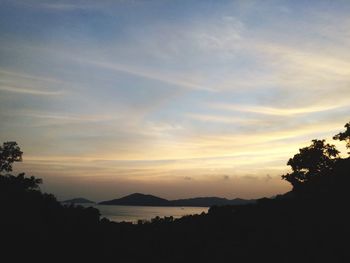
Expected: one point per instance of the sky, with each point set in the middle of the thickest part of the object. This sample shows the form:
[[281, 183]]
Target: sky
[[172, 98]]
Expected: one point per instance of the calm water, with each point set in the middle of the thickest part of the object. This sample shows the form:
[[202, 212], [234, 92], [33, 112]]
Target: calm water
[[119, 213]]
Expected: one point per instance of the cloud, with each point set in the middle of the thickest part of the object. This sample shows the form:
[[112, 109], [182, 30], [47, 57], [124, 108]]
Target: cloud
[[279, 111], [250, 177], [30, 91], [65, 6], [61, 6], [218, 118], [7, 75], [268, 178], [144, 73], [66, 119], [226, 177]]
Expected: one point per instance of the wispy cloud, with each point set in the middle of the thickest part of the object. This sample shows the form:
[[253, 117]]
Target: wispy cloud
[[61, 6], [65, 6], [6, 74], [279, 111], [219, 118], [144, 73], [30, 91], [68, 118]]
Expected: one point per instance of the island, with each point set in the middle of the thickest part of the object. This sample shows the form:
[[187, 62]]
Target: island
[[138, 199]]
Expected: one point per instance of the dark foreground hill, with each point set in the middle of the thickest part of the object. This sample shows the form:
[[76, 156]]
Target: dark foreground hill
[[78, 200], [138, 199]]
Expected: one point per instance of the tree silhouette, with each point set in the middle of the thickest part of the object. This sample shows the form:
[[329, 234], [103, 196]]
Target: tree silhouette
[[311, 162], [344, 136], [9, 153]]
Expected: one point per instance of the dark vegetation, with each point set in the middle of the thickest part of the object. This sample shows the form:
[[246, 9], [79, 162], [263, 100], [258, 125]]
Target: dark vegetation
[[151, 200], [308, 224], [78, 200]]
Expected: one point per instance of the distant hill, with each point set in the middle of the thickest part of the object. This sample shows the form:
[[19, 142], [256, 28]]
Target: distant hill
[[79, 200], [210, 201], [138, 199]]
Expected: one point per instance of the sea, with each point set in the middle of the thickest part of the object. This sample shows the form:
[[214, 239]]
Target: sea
[[119, 213]]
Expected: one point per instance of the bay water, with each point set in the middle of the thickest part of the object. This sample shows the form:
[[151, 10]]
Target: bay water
[[119, 213]]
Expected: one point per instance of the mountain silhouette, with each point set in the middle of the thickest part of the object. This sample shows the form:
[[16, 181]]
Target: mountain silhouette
[[210, 201], [138, 199]]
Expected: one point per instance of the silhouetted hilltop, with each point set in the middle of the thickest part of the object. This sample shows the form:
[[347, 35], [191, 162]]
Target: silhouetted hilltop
[[138, 199], [78, 200], [210, 201], [150, 200]]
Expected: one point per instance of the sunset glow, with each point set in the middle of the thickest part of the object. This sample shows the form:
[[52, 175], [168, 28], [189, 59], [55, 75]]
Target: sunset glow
[[203, 98]]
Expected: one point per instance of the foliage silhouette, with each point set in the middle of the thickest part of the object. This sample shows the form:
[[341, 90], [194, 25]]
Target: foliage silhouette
[[344, 136], [9, 153], [311, 162]]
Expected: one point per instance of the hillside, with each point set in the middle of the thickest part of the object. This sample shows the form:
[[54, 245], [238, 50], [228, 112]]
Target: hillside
[[79, 200], [138, 199]]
